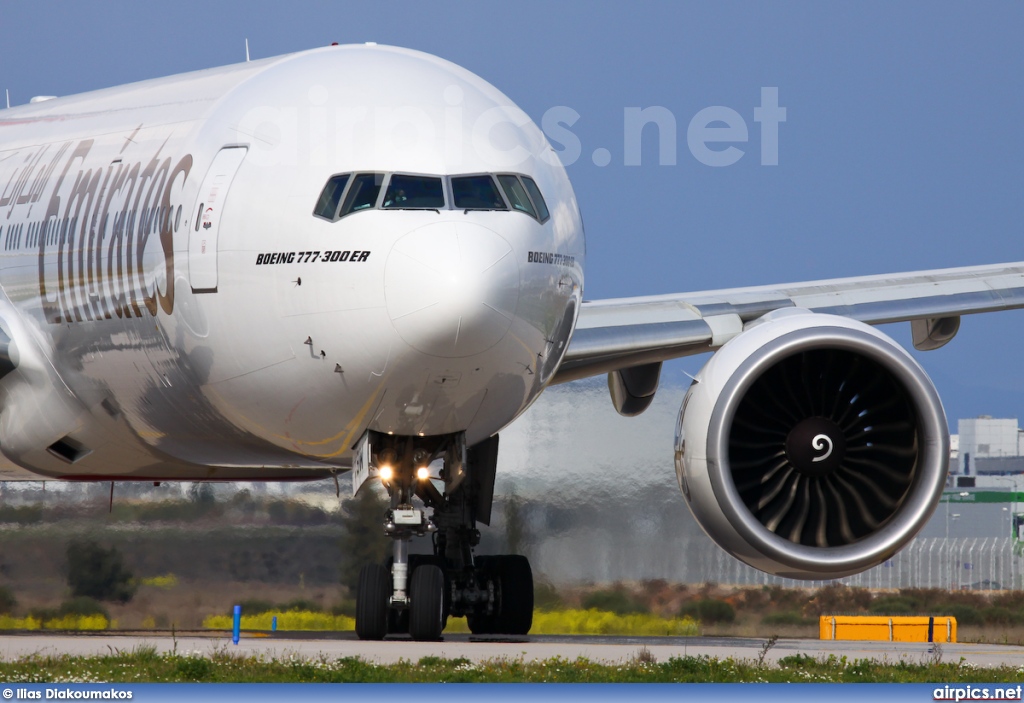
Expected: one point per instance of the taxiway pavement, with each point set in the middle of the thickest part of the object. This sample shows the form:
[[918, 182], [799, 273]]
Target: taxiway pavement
[[535, 647]]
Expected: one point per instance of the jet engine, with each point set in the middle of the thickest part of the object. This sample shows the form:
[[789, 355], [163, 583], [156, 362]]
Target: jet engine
[[811, 446]]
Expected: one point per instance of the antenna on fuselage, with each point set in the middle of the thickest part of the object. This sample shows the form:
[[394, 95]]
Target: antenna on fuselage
[[6, 90], [247, 49]]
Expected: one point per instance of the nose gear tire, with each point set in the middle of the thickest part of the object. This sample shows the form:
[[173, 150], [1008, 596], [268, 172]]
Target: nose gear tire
[[372, 602], [426, 609]]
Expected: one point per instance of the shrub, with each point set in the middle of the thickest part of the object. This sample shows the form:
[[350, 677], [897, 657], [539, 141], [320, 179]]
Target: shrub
[[7, 601], [302, 604], [613, 601], [964, 614], [83, 606], [98, 573], [362, 539], [21, 514], [893, 605], [996, 615], [160, 621], [837, 598], [70, 610], [546, 596], [924, 599], [200, 494], [346, 607], [166, 582], [708, 610], [41, 614], [255, 606], [1014, 600], [754, 599], [786, 598], [291, 512], [786, 617], [927, 600]]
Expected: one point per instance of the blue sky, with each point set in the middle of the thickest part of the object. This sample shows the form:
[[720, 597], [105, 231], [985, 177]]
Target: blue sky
[[901, 148]]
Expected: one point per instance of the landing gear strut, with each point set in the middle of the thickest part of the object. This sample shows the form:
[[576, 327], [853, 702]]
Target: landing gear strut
[[416, 593]]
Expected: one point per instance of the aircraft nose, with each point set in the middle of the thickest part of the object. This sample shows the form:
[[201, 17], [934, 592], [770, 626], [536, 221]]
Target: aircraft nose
[[452, 288]]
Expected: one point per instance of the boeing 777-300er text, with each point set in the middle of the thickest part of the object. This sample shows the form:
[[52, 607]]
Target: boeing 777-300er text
[[367, 260]]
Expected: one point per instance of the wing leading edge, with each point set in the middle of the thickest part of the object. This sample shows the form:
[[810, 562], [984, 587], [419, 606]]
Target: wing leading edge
[[627, 332]]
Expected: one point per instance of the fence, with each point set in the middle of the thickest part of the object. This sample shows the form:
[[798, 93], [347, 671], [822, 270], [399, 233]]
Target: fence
[[951, 564]]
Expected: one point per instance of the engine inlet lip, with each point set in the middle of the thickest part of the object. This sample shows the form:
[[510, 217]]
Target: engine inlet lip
[[923, 494]]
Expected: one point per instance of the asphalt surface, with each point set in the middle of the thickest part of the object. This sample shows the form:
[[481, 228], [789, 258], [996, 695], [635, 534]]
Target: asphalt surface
[[596, 648]]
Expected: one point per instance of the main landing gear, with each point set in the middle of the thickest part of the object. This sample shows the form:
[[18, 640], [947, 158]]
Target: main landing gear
[[415, 593]]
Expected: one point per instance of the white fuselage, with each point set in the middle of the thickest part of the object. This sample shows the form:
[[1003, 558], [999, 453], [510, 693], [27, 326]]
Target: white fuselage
[[178, 311]]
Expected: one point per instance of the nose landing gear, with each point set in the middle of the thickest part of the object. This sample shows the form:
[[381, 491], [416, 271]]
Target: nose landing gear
[[416, 593]]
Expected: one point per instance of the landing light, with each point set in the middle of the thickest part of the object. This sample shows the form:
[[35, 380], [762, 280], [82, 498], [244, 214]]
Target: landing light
[[386, 473], [423, 473]]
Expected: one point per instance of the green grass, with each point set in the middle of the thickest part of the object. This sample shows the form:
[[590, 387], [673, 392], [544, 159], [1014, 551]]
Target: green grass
[[144, 664]]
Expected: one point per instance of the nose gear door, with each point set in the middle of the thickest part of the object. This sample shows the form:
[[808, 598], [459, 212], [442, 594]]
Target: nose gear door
[[202, 238]]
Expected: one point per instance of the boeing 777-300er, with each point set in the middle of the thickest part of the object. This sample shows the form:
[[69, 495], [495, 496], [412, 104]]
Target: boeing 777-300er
[[367, 260]]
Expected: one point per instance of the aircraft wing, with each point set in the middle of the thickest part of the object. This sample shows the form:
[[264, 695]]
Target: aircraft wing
[[627, 332]]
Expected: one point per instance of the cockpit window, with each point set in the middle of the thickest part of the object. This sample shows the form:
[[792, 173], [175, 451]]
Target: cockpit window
[[327, 205], [538, 199], [476, 193], [346, 193], [516, 194], [414, 192], [362, 194]]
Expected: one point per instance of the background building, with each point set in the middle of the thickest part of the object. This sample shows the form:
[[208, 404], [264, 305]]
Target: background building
[[989, 446]]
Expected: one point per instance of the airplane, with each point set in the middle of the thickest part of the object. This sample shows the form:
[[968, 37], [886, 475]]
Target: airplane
[[365, 261]]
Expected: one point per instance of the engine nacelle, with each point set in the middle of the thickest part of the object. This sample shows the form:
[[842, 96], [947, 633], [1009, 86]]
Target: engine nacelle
[[812, 446]]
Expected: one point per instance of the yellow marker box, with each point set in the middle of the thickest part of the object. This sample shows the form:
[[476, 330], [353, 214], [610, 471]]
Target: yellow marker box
[[900, 628]]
